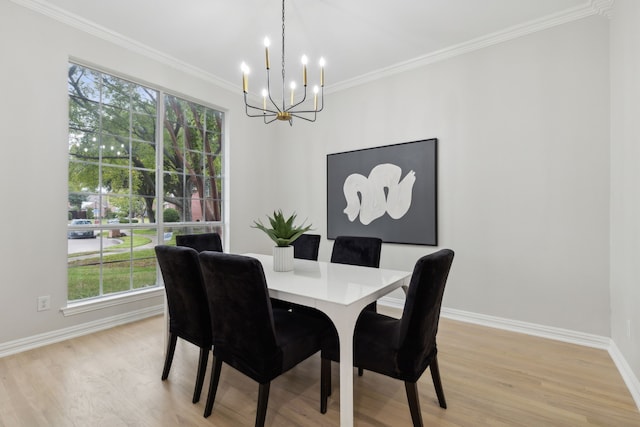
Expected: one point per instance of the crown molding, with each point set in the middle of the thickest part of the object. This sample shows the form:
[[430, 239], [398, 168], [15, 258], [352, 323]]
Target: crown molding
[[89, 27], [592, 7]]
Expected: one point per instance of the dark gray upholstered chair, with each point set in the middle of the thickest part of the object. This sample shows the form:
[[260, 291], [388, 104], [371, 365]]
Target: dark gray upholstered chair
[[188, 308], [362, 251], [404, 348], [248, 334], [306, 247], [201, 242]]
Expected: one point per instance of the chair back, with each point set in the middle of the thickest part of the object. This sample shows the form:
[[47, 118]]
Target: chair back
[[363, 251], [306, 247], [201, 242], [186, 297], [241, 314], [421, 314]]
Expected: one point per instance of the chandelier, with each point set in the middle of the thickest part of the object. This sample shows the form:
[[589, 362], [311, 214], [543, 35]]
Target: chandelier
[[297, 106]]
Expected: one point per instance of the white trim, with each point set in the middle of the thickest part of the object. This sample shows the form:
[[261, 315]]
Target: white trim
[[29, 343], [593, 7], [111, 301], [632, 382], [558, 334], [550, 332], [89, 27]]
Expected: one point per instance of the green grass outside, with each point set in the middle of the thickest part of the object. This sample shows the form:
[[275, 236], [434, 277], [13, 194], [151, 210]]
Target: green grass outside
[[119, 271]]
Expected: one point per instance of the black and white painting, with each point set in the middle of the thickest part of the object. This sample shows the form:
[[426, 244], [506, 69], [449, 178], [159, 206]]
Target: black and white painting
[[388, 192]]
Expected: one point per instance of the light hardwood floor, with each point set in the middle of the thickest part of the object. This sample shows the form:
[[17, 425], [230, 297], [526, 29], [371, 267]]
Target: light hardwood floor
[[490, 377]]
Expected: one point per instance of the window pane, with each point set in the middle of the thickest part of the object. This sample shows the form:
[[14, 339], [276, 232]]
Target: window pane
[[116, 274], [143, 155], [115, 120], [115, 150], [144, 259], [143, 127]]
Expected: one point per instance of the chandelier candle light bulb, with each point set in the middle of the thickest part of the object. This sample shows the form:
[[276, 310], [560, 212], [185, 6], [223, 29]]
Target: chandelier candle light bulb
[[293, 88], [315, 97], [304, 70], [245, 77], [267, 43], [264, 100]]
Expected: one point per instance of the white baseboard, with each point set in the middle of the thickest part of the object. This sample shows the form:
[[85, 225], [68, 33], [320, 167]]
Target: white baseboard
[[627, 374], [558, 334], [24, 344]]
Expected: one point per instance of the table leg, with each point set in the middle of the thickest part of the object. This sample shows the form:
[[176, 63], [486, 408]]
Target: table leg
[[345, 325]]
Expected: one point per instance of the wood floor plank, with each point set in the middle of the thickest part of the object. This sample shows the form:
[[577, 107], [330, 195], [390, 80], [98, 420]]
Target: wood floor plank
[[490, 378]]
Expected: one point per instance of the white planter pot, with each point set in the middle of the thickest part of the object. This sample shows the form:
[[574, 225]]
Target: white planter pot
[[282, 258]]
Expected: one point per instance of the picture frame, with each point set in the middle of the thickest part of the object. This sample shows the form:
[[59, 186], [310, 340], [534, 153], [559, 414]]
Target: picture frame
[[388, 192]]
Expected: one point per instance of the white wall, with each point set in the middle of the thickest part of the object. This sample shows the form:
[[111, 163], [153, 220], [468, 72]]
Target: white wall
[[35, 51], [523, 131], [625, 176]]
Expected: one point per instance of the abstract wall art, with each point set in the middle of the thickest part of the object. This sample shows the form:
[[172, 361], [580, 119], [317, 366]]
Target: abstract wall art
[[388, 192]]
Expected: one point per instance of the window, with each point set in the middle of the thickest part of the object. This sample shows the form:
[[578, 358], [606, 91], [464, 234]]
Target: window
[[122, 168]]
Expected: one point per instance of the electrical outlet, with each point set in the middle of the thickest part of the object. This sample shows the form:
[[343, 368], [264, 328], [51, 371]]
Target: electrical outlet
[[44, 303]]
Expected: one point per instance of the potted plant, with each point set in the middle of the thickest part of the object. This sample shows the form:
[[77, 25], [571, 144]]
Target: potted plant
[[282, 232]]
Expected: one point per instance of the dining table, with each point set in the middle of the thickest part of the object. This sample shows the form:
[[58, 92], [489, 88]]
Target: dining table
[[340, 291]]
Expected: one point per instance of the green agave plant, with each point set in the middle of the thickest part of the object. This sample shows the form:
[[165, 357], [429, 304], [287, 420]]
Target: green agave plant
[[282, 231]]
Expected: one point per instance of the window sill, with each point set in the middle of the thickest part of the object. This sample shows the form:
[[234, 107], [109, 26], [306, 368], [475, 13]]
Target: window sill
[[75, 308]]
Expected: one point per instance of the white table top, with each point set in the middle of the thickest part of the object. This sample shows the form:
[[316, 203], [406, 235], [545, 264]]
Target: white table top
[[330, 282]]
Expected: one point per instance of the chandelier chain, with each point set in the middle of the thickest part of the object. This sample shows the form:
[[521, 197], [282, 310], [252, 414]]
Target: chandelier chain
[[283, 78]]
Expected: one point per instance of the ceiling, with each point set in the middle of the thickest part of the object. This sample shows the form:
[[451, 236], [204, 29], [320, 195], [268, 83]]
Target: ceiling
[[359, 39]]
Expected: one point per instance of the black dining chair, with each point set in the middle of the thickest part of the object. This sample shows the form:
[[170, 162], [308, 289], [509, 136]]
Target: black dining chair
[[188, 308], [248, 334], [306, 247], [404, 348], [201, 242], [353, 250]]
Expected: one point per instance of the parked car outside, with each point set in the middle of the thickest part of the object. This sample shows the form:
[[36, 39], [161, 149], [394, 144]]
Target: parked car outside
[[80, 234]]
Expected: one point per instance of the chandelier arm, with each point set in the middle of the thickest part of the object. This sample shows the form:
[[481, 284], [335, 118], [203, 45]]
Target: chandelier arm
[[290, 110], [321, 100], [269, 92], [304, 118], [298, 103], [263, 111], [260, 113]]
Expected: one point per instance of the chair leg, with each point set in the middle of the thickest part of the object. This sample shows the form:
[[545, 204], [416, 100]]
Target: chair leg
[[325, 384], [202, 369], [171, 348], [328, 379], [414, 403], [437, 383], [213, 385], [263, 399]]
